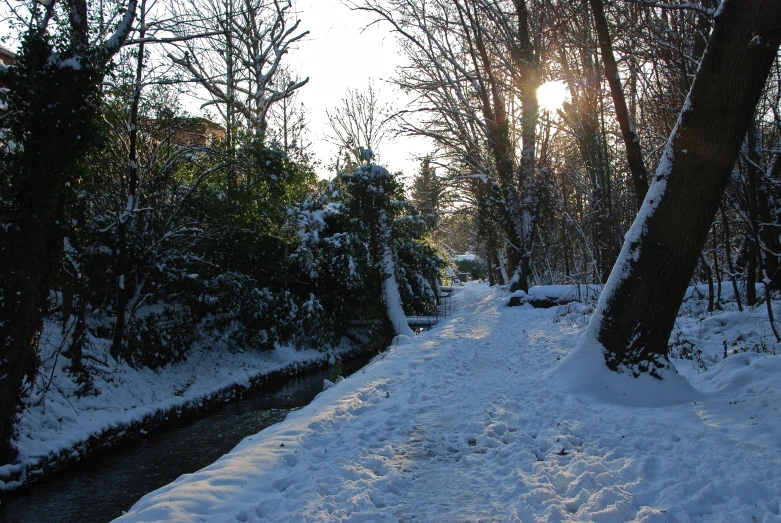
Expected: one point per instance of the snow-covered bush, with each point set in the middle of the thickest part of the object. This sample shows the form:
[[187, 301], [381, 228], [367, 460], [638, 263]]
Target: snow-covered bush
[[395, 232], [419, 262], [333, 259], [156, 339]]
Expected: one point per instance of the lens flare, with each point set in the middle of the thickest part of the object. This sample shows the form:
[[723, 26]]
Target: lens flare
[[552, 95]]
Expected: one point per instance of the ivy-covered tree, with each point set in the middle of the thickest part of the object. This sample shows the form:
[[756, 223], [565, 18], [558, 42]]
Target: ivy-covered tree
[[53, 98]]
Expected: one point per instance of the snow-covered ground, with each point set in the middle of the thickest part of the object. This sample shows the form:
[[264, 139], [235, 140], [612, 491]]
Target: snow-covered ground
[[56, 421], [472, 421]]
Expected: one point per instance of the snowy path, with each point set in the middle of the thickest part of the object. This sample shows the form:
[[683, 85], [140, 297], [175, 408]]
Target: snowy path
[[464, 424]]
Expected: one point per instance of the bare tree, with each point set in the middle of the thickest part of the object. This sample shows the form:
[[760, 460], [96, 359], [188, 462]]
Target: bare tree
[[240, 65], [359, 121], [287, 125], [631, 140], [466, 97], [137, 72]]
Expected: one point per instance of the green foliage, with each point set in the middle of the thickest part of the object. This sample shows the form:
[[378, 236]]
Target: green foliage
[[429, 194], [476, 268], [221, 253], [249, 316], [333, 257], [269, 182], [375, 194], [240, 246], [160, 338]]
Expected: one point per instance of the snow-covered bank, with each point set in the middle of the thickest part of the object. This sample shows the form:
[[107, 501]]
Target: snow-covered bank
[[468, 422], [58, 427]]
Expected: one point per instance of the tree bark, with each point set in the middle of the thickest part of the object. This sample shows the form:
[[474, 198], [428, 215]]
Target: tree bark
[[501, 146], [491, 264], [769, 215], [709, 275], [716, 271], [528, 79], [520, 198], [638, 307], [765, 230]]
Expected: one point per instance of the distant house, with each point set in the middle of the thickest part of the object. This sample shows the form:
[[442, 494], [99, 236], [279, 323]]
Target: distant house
[[198, 131], [7, 57], [186, 131]]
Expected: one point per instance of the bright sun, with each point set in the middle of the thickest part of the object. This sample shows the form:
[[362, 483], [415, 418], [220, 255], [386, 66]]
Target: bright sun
[[552, 95]]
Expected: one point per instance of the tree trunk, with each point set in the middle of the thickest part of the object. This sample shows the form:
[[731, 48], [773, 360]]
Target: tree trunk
[[728, 255], [394, 312], [768, 229], [763, 224], [584, 115], [491, 265], [716, 271], [527, 65], [565, 244], [638, 307], [709, 275], [520, 199], [634, 154], [370, 187], [124, 282], [751, 272]]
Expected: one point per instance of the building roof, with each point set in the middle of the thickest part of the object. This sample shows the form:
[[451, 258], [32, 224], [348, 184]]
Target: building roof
[[7, 52]]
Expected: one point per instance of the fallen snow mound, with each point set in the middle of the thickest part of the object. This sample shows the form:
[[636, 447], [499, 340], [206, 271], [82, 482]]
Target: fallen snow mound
[[584, 372]]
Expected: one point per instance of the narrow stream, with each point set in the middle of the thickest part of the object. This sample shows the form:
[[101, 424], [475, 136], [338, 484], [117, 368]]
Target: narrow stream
[[103, 488]]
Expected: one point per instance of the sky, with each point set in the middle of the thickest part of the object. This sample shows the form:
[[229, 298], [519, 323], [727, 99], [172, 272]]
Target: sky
[[344, 50], [338, 54], [341, 53]]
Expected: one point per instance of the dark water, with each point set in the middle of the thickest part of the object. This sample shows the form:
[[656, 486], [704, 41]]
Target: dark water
[[102, 488]]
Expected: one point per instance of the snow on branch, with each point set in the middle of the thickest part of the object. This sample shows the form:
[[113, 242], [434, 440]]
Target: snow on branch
[[706, 11], [117, 40]]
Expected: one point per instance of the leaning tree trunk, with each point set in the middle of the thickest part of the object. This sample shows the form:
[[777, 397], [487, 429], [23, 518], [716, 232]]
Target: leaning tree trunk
[[637, 310], [394, 310], [370, 187]]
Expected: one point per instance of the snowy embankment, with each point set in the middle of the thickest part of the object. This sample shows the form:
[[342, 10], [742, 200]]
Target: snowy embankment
[[58, 427], [470, 421]]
